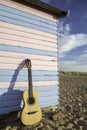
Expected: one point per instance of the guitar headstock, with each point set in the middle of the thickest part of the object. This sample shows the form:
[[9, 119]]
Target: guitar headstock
[[28, 63]]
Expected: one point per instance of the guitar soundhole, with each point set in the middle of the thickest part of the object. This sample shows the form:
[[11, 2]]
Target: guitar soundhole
[[31, 101]]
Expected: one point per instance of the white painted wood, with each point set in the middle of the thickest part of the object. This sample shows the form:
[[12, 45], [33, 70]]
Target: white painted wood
[[27, 9], [17, 61], [25, 56], [39, 37], [24, 42], [25, 84], [18, 37], [34, 67], [28, 30]]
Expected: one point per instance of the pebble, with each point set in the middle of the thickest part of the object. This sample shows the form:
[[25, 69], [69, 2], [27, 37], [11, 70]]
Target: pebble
[[70, 125]]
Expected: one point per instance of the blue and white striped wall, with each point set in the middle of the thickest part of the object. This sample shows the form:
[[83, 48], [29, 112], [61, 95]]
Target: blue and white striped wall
[[27, 33]]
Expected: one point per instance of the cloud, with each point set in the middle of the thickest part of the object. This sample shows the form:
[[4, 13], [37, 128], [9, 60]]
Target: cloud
[[63, 30], [73, 66], [69, 42]]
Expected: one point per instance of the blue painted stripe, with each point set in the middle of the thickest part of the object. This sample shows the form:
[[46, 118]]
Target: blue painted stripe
[[11, 99], [7, 110], [7, 72], [26, 22], [17, 102], [26, 50], [14, 97], [25, 14], [45, 88], [12, 15], [10, 103], [11, 91], [25, 78], [48, 104], [16, 93]]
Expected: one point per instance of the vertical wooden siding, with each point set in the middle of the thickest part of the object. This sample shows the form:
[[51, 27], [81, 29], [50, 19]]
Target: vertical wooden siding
[[24, 34]]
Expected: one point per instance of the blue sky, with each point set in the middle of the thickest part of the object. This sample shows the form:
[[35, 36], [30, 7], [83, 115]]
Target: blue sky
[[72, 33]]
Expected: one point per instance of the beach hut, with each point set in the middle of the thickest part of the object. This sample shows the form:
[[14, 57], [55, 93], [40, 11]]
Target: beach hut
[[28, 30]]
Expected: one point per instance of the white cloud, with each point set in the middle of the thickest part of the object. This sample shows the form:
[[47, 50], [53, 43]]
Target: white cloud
[[84, 55], [72, 66], [68, 42], [63, 30]]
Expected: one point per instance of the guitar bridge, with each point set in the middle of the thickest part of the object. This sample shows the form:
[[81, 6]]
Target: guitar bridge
[[32, 112]]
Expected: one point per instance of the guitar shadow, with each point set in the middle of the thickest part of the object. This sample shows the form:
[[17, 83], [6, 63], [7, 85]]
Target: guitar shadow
[[11, 97]]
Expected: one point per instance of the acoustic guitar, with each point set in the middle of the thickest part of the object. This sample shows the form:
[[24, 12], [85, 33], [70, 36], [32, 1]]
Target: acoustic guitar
[[31, 113]]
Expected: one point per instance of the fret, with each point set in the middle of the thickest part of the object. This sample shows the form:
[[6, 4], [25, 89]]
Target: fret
[[30, 87]]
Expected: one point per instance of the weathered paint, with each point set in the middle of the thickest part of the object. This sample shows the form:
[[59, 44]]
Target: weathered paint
[[28, 9], [34, 62], [11, 99], [27, 33], [29, 30], [10, 72], [14, 16], [22, 84], [19, 49], [18, 55]]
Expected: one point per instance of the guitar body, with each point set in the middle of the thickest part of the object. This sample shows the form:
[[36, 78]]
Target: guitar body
[[31, 113]]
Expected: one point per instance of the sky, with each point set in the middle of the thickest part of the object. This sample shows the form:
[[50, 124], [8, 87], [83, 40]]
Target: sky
[[72, 32]]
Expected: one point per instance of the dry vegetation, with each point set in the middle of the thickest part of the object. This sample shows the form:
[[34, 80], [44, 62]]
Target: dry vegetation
[[70, 115]]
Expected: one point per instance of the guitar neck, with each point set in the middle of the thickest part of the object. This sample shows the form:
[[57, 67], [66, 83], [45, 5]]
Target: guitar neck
[[30, 89]]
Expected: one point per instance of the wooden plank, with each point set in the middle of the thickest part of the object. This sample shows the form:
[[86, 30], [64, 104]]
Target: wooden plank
[[24, 24], [25, 84], [33, 37], [34, 67], [7, 110], [10, 72], [26, 50], [12, 91], [23, 19], [17, 96], [27, 56], [26, 17], [28, 30], [27, 9], [50, 88], [40, 89], [15, 100], [6, 97], [21, 61], [18, 78], [21, 39], [24, 42], [49, 104], [9, 103], [11, 99]]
